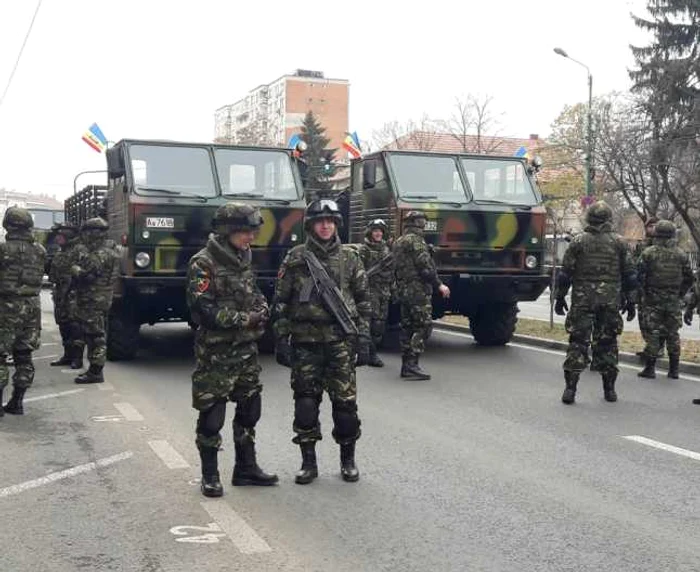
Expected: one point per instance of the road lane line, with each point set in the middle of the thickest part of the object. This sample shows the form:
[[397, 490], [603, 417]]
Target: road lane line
[[50, 395], [237, 529], [128, 411], [52, 477], [167, 454], [663, 446], [46, 357]]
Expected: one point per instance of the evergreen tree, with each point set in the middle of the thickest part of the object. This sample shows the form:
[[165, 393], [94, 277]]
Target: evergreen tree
[[318, 156]]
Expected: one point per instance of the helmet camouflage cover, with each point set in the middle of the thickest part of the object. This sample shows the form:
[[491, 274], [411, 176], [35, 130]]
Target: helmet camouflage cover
[[95, 223], [236, 217], [665, 229], [17, 217], [599, 213], [415, 218]]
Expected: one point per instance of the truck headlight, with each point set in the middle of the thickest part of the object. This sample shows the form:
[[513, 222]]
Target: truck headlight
[[142, 259], [530, 261]]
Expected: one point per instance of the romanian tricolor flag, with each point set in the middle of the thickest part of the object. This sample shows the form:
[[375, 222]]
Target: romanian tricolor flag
[[352, 145], [522, 152], [95, 138]]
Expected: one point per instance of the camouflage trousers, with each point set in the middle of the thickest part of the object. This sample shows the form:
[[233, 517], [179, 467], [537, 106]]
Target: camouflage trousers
[[319, 367], [663, 321], [91, 332], [377, 324], [65, 316], [416, 326], [226, 372], [603, 324], [20, 331]]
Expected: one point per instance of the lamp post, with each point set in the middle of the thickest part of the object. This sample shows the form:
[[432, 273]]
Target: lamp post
[[589, 129]]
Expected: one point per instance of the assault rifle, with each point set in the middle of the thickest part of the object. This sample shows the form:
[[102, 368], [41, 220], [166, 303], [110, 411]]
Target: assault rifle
[[330, 294], [382, 264]]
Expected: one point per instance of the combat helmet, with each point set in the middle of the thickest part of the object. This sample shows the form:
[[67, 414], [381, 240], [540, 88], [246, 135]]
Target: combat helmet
[[66, 227], [665, 229], [322, 208], [17, 218], [415, 218], [95, 224], [236, 217], [599, 213], [377, 223]]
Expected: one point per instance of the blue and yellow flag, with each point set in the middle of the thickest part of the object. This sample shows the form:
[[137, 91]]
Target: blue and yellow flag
[[95, 138], [522, 152]]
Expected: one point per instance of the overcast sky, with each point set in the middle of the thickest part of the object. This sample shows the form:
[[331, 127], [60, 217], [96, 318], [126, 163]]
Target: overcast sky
[[160, 68]]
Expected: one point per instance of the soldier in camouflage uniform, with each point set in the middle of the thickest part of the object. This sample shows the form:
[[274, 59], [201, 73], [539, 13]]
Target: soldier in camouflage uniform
[[64, 296], [649, 227], [94, 272], [664, 277], [312, 342], [379, 264], [230, 313], [416, 278], [22, 261], [599, 268]]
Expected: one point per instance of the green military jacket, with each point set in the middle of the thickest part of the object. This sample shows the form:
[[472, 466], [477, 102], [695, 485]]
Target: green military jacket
[[416, 275], [22, 261]]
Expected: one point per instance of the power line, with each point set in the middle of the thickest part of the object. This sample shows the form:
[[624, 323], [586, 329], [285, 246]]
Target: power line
[[19, 55]]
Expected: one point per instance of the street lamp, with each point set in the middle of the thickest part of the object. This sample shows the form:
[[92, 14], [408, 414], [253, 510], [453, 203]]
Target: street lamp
[[589, 130]]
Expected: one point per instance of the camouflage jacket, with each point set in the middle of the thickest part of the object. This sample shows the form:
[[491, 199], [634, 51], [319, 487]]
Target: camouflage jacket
[[599, 266], [311, 321], [60, 272], [416, 275], [381, 283], [95, 270], [222, 291], [22, 261], [664, 272]]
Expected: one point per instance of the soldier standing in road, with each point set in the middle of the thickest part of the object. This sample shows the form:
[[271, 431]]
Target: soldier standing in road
[[416, 278], [649, 227], [599, 268], [22, 261], [230, 312], [322, 311], [94, 272], [664, 275], [379, 267], [64, 296]]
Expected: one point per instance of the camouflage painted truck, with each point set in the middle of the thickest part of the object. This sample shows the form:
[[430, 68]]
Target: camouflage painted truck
[[485, 221], [160, 201]]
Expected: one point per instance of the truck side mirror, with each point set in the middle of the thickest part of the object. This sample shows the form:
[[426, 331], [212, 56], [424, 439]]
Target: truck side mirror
[[115, 163], [369, 174]]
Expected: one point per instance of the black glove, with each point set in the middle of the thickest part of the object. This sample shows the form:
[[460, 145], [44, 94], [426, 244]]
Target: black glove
[[283, 352], [560, 307], [362, 351], [631, 310], [688, 316]]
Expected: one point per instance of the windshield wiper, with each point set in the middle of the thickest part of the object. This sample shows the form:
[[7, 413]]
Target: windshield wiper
[[432, 198], [172, 192], [257, 196], [495, 202]]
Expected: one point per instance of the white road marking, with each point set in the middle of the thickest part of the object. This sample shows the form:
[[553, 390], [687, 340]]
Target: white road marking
[[212, 533], [46, 357], [75, 372], [52, 477], [105, 386], [242, 535], [167, 454], [50, 395], [100, 418], [43, 344], [663, 446], [128, 411]]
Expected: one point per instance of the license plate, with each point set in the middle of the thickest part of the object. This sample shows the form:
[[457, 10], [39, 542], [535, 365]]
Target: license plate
[[430, 225], [160, 222]]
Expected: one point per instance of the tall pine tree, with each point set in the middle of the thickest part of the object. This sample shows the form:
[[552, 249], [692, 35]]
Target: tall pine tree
[[318, 156]]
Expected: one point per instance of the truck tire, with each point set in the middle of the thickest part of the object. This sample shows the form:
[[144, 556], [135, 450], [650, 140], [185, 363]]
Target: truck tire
[[494, 324], [122, 335]]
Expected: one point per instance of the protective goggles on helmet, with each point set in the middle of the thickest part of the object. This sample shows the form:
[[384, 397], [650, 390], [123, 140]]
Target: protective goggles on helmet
[[377, 222], [323, 206]]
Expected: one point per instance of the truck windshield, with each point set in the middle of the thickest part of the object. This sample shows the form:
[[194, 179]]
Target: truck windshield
[[500, 181], [427, 178], [184, 171], [256, 173]]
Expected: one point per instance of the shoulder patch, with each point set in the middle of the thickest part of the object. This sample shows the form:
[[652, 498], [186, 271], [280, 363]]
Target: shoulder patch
[[202, 279]]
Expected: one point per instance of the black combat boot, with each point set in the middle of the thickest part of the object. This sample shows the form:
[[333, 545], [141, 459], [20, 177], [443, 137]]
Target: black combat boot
[[569, 395], [673, 363], [609, 378], [309, 469], [649, 370], [696, 401], [411, 370], [348, 470], [246, 470], [92, 375], [374, 359], [15, 405], [76, 358], [65, 359], [211, 484]]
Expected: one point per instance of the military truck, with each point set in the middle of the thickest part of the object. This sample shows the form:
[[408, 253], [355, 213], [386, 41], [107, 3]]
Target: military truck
[[160, 200], [485, 222]]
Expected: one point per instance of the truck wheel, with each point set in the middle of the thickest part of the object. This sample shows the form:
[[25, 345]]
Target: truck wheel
[[494, 324], [122, 335]]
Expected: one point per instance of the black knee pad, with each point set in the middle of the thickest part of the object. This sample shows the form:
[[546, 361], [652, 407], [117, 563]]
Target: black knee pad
[[347, 424], [212, 420], [22, 357], [306, 411], [248, 411]]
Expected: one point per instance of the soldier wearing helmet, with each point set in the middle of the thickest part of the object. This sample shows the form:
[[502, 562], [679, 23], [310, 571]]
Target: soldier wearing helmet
[[64, 296], [22, 261], [94, 272], [379, 264], [416, 280], [230, 313], [664, 277], [599, 269], [649, 226], [315, 341]]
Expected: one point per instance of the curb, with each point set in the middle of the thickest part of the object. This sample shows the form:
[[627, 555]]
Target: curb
[[624, 357]]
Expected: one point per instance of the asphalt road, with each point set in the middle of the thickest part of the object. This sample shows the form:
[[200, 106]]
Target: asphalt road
[[480, 469]]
